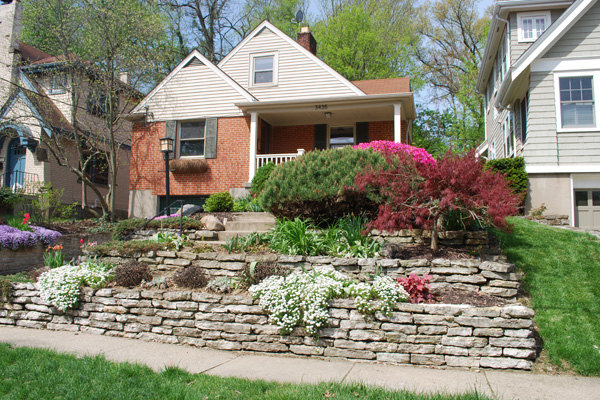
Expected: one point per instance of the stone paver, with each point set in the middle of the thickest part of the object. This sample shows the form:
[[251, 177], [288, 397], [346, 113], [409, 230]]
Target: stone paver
[[496, 384]]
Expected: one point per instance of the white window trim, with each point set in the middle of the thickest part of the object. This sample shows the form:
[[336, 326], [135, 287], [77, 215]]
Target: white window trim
[[179, 139], [521, 16], [329, 127], [596, 92], [275, 82], [52, 89]]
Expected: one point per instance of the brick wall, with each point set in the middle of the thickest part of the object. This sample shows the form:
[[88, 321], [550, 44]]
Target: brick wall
[[228, 170], [384, 130], [288, 139]]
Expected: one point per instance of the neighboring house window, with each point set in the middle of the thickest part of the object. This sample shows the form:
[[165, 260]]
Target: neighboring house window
[[97, 170], [577, 102], [508, 127], [96, 102], [58, 83], [264, 69], [191, 139], [532, 25], [341, 136], [524, 117]]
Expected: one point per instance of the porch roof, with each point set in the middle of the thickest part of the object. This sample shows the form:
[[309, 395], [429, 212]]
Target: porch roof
[[339, 108]]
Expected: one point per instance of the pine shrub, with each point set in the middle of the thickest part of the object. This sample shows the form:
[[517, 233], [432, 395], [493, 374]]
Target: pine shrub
[[219, 202], [320, 185], [261, 176]]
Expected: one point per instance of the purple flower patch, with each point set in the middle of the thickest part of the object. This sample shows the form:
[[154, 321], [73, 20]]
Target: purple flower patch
[[13, 238]]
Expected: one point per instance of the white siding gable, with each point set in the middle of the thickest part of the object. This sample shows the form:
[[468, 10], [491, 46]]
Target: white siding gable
[[299, 75], [194, 92]]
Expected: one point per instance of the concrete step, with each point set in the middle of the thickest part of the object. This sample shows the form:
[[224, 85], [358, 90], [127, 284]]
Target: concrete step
[[249, 225], [253, 217], [228, 235]]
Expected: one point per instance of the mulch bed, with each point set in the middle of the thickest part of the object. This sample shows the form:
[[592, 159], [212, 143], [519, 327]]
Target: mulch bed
[[455, 296], [410, 252]]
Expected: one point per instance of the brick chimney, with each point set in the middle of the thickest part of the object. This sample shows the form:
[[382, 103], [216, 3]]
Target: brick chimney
[[307, 40]]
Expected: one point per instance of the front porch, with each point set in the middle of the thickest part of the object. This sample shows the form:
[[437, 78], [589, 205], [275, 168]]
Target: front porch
[[283, 131]]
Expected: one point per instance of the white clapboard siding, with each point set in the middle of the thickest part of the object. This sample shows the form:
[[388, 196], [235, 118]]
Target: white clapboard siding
[[518, 48], [300, 76], [195, 92], [542, 141], [582, 40]]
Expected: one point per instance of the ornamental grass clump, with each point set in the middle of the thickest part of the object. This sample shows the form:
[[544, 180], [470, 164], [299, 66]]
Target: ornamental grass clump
[[302, 298], [61, 287]]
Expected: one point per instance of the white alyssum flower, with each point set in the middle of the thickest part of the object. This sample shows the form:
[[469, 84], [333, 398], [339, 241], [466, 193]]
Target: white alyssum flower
[[302, 298], [61, 286]]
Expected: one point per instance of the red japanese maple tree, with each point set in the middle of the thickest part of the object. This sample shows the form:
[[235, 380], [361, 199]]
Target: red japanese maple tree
[[416, 195]]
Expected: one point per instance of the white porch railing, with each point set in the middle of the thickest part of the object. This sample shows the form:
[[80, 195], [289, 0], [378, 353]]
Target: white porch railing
[[262, 159]]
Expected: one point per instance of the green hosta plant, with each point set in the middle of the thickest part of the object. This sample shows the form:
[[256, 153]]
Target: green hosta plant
[[302, 298], [172, 240]]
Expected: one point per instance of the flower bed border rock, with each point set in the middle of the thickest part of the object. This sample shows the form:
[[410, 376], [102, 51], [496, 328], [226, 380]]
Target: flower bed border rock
[[487, 277], [418, 334]]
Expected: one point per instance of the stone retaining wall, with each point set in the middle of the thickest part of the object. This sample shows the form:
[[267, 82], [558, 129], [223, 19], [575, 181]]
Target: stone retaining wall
[[446, 238], [488, 277], [14, 261], [552, 220], [191, 234], [430, 334]]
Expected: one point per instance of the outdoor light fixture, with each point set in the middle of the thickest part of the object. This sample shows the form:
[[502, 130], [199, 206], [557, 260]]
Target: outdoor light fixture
[[327, 115], [166, 146]]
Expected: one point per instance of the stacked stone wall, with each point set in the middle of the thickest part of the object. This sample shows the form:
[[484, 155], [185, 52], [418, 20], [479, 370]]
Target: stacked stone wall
[[418, 334], [487, 277]]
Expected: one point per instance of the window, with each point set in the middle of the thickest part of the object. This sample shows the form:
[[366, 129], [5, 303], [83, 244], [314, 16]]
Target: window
[[341, 136], [492, 150], [97, 169], [508, 126], [577, 102], [58, 83], [264, 69], [524, 116], [191, 139], [532, 25]]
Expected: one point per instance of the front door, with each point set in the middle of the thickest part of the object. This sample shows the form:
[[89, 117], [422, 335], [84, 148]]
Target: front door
[[587, 208], [15, 165]]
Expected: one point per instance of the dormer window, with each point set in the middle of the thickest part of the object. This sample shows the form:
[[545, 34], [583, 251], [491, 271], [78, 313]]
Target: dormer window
[[532, 25], [264, 70], [58, 83]]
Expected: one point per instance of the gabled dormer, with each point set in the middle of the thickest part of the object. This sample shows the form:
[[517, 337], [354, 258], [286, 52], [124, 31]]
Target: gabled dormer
[[273, 66]]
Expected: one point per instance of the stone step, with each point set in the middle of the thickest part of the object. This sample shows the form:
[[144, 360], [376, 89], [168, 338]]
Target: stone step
[[251, 216], [249, 225], [228, 235]]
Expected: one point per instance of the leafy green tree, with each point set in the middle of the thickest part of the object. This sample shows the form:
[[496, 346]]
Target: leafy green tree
[[280, 13], [450, 55], [353, 43], [430, 131]]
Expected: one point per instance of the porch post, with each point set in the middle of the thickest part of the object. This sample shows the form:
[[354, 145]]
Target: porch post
[[253, 137], [397, 123]]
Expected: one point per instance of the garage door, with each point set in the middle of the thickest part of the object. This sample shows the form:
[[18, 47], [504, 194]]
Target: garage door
[[587, 208]]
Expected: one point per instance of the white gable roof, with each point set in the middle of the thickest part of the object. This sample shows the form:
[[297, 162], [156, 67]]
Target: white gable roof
[[299, 70], [208, 66]]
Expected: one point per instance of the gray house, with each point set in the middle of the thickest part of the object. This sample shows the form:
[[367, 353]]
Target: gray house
[[541, 79]]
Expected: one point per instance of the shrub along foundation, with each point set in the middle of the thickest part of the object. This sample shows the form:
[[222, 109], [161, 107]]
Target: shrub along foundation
[[418, 334]]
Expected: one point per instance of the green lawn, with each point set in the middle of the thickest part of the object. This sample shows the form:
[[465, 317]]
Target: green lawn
[[43, 374], [562, 276]]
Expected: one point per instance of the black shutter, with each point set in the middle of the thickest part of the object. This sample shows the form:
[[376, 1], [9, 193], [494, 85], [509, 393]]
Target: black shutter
[[362, 132], [210, 137], [171, 132], [320, 137]]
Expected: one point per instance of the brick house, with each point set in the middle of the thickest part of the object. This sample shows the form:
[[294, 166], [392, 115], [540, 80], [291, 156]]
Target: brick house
[[269, 100]]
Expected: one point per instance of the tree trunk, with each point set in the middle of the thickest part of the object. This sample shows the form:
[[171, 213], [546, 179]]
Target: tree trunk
[[434, 235]]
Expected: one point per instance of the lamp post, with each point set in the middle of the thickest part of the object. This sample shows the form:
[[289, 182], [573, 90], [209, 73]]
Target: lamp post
[[166, 146]]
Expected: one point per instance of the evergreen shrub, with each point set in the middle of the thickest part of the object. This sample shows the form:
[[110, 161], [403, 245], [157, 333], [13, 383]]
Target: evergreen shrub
[[260, 177], [513, 170], [320, 185], [219, 202]]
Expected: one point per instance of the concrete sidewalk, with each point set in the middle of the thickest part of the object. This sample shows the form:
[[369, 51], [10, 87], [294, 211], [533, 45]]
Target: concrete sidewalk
[[496, 384]]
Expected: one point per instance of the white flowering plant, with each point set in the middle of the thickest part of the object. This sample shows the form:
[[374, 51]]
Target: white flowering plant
[[61, 286], [302, 298]]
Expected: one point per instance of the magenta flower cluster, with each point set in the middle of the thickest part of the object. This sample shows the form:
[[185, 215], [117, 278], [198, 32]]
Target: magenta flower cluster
[[170, 216], [13, 238], [419, 155]]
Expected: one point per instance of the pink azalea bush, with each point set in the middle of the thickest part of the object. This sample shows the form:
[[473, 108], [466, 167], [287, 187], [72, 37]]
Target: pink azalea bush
[[385, 146]]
